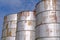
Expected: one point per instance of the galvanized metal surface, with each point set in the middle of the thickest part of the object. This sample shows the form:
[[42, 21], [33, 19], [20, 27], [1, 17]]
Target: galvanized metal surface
[[48, 39], [25, 35], [9, 27], [11, 17], [8, 38], [48, 17], [48, 5], [26, 25], [10, 21], [10, 24], [9, 32], [26, 15], [48, 20], [48, 30]]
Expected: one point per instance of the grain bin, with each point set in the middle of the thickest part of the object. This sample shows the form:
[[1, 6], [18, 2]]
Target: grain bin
[[48, 20], [9, 27], [26, 25]]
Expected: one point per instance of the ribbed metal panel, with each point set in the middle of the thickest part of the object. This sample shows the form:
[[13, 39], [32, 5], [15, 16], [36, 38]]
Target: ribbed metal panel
[[26, 25], [48, 30], [9, 32], [26, 35], [26, 15], [9, 27], [48, 17], [10, 24], [48, 39], [8, 38], [48, 5], [48, 20]]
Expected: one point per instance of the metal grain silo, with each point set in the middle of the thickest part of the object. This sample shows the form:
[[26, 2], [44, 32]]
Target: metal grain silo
[[48, 20], [26, 25], [9, 27]]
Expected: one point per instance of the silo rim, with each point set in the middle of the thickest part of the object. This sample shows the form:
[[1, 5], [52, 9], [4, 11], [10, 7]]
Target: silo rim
[[9, 14], [38, 3], [26, 11]]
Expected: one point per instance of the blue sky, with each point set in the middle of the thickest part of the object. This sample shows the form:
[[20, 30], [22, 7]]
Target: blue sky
[[14, 6]]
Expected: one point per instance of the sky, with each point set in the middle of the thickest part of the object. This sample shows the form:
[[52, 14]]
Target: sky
[[14, 6]]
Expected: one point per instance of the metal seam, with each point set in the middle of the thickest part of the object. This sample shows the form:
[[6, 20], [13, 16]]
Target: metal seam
[[8, 36], [46, 11], [48, 37], [25, 20], [47, 23], [8, 28], [26, 30]]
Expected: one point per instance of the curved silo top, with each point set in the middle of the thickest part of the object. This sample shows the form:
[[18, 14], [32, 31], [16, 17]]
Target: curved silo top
[[10, 17], [47, 5], [38, 2], [10, 21], [26, 15]]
